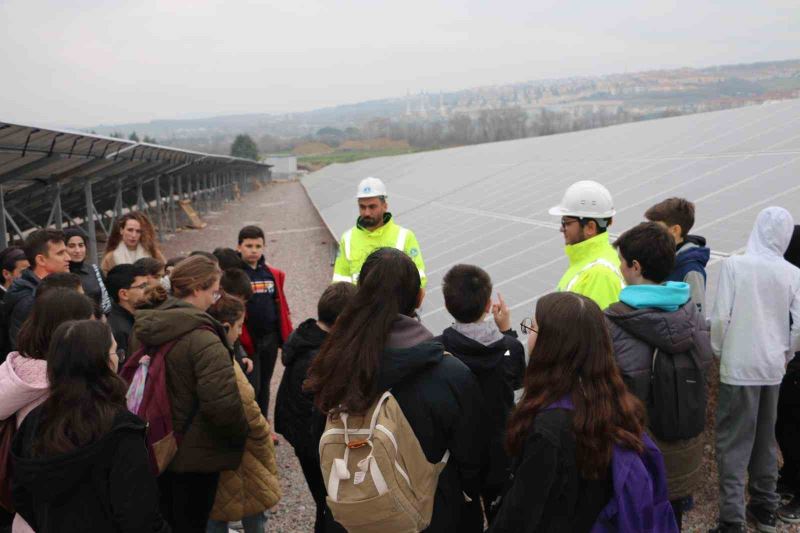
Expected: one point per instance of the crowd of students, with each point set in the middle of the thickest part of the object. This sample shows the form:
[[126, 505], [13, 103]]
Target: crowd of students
[[134, 396]]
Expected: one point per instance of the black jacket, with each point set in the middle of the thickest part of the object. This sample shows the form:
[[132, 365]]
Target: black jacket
[[89, 282], [499, 368], [19, 302], [262, 308], [5, 342], [293, 407], [121, 323], [547, 493], [106, 486], [441, 399]]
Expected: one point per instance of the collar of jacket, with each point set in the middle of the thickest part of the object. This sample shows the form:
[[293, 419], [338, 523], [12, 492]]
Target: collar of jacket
[[588, 249], [484, 332], [78, 267], [118, 309], [387, 221], [262, 261]]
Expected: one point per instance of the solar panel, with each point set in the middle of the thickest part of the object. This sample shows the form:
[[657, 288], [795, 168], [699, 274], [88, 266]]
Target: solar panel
[[36, 162], [487, 204]]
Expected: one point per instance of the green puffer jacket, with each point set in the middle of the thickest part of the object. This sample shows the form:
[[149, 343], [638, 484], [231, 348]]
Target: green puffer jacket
[[201, 383]]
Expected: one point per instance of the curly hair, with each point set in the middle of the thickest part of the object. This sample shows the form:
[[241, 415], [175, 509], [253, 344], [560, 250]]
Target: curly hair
[[148, 241]]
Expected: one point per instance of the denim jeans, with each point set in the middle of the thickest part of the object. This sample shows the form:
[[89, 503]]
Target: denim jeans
[[252, 524]]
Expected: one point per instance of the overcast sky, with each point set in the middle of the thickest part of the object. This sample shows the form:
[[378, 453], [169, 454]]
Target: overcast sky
[[86, 62]]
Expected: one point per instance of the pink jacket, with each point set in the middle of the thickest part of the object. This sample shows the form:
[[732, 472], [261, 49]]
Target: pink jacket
[[23, 387]]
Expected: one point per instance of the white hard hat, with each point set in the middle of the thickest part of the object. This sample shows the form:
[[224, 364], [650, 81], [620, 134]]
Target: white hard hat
[[370, 188], [585, 199]]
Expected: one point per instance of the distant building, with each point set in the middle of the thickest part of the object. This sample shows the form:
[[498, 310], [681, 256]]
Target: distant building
[[283, 166]]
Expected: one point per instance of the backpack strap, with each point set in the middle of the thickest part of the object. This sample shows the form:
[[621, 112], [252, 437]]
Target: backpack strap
[[339, 470]]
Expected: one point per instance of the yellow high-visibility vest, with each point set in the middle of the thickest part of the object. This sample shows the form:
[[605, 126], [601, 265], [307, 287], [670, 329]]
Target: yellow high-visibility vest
[[593, 271], [357, 243]]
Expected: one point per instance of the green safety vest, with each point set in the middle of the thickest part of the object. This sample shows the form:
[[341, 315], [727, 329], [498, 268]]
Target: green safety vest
[[593, 271], [358, 242]]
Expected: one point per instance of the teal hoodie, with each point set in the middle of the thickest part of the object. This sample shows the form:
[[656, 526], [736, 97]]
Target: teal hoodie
[[669, 296]]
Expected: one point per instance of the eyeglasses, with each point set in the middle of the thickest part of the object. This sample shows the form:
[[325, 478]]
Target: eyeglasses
[[140, 286], [528, 327], [567, 221]]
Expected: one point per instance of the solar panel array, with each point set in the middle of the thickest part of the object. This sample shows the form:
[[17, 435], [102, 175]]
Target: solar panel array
[[487, 204], [35, 161]]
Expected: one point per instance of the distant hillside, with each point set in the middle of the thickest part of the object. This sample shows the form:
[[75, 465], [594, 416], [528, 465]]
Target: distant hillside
[[623, 97]]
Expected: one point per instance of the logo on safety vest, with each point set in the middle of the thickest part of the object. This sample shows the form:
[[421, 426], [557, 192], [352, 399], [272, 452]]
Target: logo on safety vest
[[413, 252]]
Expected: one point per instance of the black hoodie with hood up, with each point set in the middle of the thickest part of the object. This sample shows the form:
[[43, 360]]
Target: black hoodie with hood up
[[106, 486]]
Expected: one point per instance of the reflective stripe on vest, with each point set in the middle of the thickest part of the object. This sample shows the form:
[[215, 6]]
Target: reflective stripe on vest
[[401, 239], [601, 261], [348, 235], [400, 244]]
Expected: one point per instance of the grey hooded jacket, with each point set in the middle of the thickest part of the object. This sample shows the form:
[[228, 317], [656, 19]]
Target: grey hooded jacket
[[636, 333]]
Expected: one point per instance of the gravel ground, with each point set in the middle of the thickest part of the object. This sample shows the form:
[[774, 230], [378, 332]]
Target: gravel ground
[[299, 244]]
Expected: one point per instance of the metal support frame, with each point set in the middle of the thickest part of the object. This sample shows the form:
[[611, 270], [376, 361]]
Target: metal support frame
[[3, 226], [118, 202], [173, 223], [70, 219], [141, 204], [159, 206], [206, 194], [180, 187], [56, 216], [214, 198], [26, 218], [103, 227], [90, 229], [58, 211], [13, 223]]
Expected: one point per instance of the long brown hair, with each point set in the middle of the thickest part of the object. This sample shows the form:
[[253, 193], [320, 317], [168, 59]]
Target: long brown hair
[[574, 356], [50, 310], [227, 310], [85, 393], [148, 240], [345, 373]]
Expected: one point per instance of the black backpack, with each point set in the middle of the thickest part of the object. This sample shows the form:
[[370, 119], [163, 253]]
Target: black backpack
[[677, 405]]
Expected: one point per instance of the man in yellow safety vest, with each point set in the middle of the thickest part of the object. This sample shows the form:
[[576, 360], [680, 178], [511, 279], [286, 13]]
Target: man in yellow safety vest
[[374, 229], [586, 212]]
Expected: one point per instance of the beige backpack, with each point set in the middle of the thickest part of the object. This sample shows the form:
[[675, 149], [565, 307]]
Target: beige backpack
[[378, 478]]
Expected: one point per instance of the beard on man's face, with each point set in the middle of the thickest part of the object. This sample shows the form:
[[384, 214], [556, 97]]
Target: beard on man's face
[[368, 222]]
